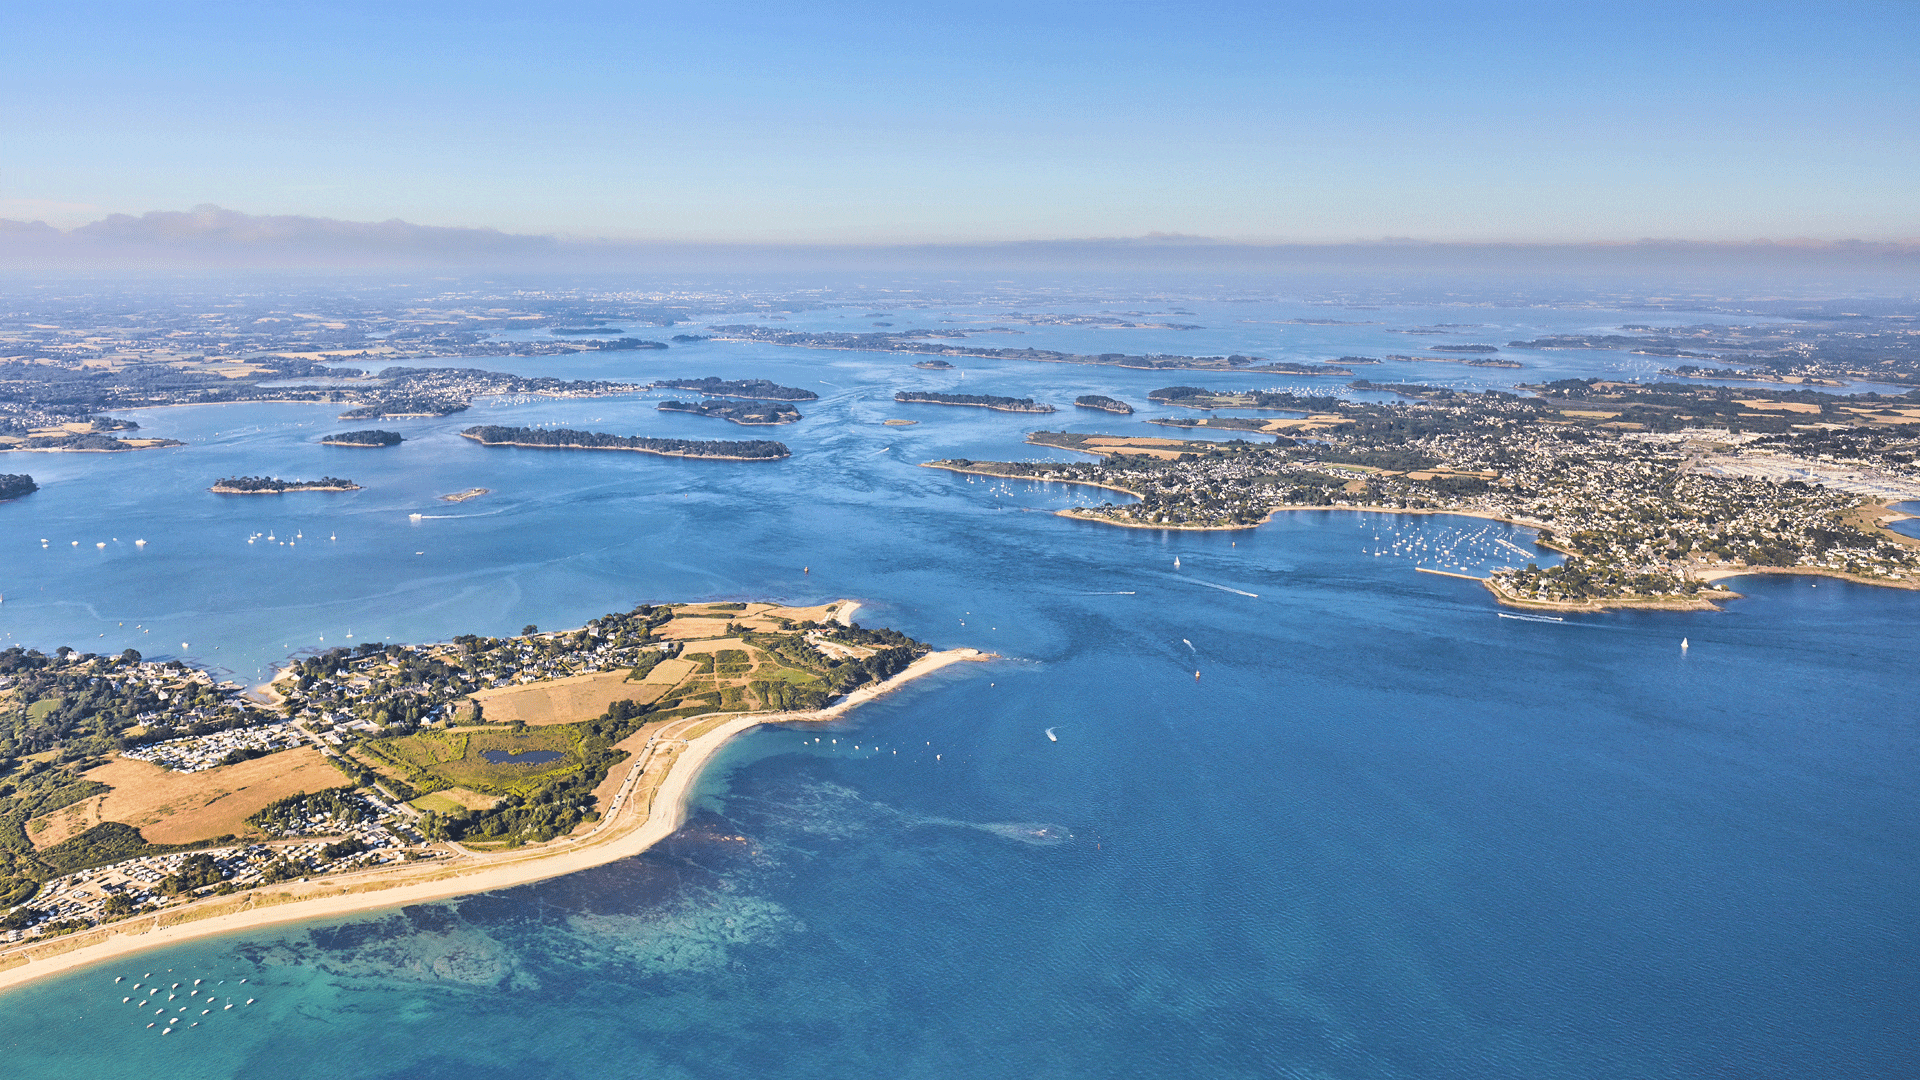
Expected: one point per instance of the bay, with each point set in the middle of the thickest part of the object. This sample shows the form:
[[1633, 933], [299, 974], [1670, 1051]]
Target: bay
[[1380, 833]]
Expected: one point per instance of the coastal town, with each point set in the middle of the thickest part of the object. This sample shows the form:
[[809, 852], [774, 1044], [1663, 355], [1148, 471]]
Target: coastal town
[[1642, 516]]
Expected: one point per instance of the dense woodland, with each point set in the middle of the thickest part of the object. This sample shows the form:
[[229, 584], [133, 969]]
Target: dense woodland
[[740, 412], [369, 437], [566, 438], [14, 485], [756, 389], [275, 484], [987, 401]]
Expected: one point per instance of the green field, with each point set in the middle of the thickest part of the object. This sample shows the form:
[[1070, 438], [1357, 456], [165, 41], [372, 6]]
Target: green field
[[441, 759]]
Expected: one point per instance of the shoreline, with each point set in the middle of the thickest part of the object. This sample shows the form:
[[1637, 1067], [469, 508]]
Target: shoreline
[[1035, 479], [621, 833]]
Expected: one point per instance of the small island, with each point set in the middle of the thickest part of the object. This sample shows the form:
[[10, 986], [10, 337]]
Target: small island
[[371, 437], [750, 389], [400, 407], [463, 496], [934, 365], [1104, 404], [273, 485], [16, 485], [740, 412], [1488, 362], [980, 401], [1194, 397], [566, 439], [627, 343]]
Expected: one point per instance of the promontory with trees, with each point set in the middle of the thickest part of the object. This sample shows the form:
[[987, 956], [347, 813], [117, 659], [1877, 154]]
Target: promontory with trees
[[370, 438], [1104, 404], [740, 412], [441, 726], [568, 439], [981, 401], [273, 485], [15, 485]]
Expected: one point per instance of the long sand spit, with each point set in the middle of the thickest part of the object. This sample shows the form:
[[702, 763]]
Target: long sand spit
[[637, 825]]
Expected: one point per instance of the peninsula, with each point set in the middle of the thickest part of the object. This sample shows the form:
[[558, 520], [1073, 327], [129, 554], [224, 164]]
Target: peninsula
[[90, 435], [1653, 493], [980, 401], [384, 774], [567, 439], [369, 438], [740, 412], [273, 485]]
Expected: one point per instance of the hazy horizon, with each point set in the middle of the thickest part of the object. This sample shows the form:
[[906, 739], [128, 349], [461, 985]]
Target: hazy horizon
[[852, 124]]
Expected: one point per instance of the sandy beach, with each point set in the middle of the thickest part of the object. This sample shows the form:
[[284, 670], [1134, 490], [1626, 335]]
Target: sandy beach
[[633, 827]]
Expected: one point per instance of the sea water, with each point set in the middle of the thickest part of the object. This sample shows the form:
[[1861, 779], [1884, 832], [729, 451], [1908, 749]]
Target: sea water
[[1309, 812]]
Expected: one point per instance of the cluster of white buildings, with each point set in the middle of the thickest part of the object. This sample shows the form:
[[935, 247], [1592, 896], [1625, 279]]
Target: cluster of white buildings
[[196, 753]]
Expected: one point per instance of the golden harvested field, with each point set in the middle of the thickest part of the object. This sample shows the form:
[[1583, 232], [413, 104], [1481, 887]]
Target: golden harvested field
[[1778, 406], [68, 821], [561, 701], [176, 808], [668, 672]]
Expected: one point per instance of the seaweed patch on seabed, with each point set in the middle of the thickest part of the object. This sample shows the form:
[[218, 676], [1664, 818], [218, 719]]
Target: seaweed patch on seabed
[[836, 812], [429, 944], [683, 909]]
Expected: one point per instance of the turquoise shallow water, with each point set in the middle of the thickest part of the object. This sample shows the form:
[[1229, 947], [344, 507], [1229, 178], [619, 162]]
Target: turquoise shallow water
[[1384, 833]]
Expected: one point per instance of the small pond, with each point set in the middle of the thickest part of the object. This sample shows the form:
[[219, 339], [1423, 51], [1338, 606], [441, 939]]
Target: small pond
[[524, 757]]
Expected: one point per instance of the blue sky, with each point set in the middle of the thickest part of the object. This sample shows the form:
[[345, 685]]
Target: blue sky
[[894, 122]]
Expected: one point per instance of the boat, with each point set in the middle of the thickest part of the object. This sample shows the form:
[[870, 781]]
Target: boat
[[1051, 737]]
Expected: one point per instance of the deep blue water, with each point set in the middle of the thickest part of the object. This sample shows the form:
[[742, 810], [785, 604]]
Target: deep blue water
[[1382, 833]]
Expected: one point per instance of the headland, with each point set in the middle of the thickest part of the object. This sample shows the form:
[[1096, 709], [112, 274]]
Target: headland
[[640, 759]]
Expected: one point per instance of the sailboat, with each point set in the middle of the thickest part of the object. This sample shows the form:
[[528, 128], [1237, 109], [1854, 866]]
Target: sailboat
[[1683, 644], [1176, 562]]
